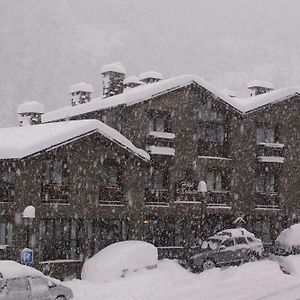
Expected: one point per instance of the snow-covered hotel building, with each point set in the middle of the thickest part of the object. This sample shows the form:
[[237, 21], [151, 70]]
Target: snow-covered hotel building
[[127, 165]]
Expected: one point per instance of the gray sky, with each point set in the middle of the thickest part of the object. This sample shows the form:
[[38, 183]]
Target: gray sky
[[47, 45]]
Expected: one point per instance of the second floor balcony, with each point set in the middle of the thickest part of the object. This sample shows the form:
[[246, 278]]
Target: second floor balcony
[[156, 196], [270, 152], [267, 200], [112, 195], [217, 198], [55, 193]]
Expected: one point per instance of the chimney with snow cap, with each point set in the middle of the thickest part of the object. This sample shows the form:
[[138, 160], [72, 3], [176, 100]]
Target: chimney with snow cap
[[80, 93], [258, 87], [131, 82], [30, 113], [113, 79], [150, 77]]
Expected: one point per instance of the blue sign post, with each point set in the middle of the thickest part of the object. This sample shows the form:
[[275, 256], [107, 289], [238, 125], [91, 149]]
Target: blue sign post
[[27, 256]]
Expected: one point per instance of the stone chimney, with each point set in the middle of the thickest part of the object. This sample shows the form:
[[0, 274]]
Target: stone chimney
[[80, 93], [150, 77], [258, 87], [113, 79], [30, 113], [131, 82]]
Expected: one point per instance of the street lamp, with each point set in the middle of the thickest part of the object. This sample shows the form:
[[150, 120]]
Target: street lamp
[[28, 217]]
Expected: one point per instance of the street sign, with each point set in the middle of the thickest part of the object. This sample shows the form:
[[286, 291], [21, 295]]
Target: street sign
[[27, 256]]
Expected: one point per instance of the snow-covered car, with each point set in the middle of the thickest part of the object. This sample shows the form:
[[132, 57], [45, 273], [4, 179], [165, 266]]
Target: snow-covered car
[[19, 282], [227, 247], [288, 241], [119, 259]]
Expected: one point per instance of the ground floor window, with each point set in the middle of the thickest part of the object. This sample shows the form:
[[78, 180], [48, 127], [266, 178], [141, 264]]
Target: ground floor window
[[58, 239], [6, 231], [107, 231]]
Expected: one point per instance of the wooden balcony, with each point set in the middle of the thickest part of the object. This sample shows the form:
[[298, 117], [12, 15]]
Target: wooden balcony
[[156, 196], [55, 193], [267, 200], [217, 198], [111, 195], [270, 152]]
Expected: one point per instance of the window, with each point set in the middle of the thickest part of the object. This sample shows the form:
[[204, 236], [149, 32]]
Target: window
[[159, 121], [18, 287], [55, 181], [265, 135], [58, 238], [5, 233], [240, 240], [212, 135], [109, 175], [110, 183], [217, 180], [7, 185], [250, 240], [266, 182], [228, 243], [156, 178]]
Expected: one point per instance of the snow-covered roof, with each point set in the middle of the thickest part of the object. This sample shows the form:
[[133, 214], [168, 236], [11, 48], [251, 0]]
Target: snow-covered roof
[[31, 106], [260, 83], [81, 87], [235, 232], [150, 74], [132, 79], [19, 142], [12, 269], [148, 91], [114, 67], [229, 92]]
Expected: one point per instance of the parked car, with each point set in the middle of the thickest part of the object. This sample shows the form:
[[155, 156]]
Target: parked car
[[288, 241], [228, 247], [19, 282]]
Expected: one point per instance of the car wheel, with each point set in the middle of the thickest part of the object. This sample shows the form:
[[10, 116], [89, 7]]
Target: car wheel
[[61, 298], [252, 257], [208, 265]]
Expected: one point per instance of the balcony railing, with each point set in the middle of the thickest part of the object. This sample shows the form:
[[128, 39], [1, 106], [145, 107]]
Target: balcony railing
[[267, 200], [111, 195], [217, 198], [55, 193], [156, 196], [270, 152]]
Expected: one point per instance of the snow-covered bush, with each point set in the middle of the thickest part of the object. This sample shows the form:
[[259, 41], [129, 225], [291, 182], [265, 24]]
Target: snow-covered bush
[[289, 239], [118, 259]]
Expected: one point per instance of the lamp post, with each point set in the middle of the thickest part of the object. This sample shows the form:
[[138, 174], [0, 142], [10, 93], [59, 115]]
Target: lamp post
[[28, 217]]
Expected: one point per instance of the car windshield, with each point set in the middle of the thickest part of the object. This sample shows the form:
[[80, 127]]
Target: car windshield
[[211, 244]]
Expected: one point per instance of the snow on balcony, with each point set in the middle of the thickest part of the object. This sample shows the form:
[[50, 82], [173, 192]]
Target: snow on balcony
[[162, 135], [274, 159], [161, 150], [272, 145]]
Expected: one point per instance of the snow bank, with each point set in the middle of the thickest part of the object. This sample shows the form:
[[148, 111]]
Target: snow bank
[[11, 269], [290, 264], [289, 237], [118, 259]]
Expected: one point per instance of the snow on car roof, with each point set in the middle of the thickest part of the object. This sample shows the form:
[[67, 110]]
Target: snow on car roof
[[235, 232], [12, 269], [19, 142], [149, 91]]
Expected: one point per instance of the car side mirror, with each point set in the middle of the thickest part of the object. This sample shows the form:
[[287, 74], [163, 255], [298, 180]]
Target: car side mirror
[[222, 248]]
